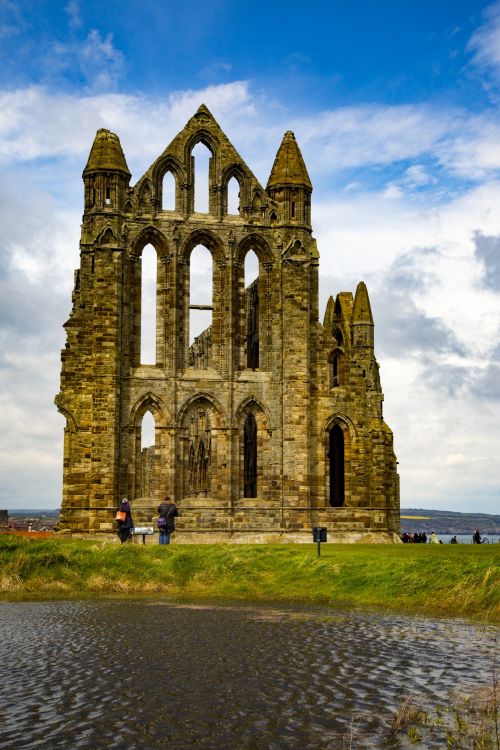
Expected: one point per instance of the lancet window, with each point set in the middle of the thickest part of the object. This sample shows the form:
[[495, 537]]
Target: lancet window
[[168, 192], [201, 171], [147, 460], [233, 197], [252, 310], [336, 465], [148, 305], [200, 308], [250, 456]]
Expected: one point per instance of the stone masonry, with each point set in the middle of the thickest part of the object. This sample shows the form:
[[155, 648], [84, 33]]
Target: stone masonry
[[269, 422]]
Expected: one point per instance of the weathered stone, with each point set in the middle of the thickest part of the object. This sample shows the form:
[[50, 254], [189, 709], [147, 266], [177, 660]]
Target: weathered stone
[[267, 424]]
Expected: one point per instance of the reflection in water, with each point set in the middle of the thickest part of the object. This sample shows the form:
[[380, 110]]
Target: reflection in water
[[147, 674]]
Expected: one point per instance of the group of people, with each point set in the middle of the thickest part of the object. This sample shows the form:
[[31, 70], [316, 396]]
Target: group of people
[[415, 538], [421, 538], [434, 539], [167, 513]]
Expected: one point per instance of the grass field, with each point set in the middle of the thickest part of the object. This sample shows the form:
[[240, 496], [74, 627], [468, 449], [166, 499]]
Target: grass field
[[462, 580]]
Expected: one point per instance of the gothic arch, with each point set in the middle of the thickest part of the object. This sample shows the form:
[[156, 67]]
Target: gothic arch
[[256, 243], [207, 239], [253, 404], [201, 136], [345, 422], [254, 309], [243, 178], [167, 163], [201, 447], [150, 235], [339, 435], [107, 236], [148, 402], [201, 396], [254, 454]]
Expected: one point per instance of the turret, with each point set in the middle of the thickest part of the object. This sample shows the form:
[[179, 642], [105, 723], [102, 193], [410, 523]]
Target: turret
[[362, 319], [289, 184], [106, 176]]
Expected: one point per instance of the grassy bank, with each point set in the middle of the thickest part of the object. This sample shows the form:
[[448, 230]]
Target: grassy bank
[[462, 580]]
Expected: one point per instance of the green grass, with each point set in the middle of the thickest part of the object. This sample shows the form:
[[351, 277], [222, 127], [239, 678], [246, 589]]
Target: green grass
[[457, 580]]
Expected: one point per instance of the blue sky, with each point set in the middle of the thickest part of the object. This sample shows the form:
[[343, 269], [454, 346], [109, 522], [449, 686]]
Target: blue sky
[[396, 109]]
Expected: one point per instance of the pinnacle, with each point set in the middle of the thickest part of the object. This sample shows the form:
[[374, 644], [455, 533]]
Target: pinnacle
[[362, 311], [203, 109], [289, 167], [106, 153]]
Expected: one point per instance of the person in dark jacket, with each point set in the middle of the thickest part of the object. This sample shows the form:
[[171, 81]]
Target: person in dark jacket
[[167, 511], [476, 538], [125, 527]]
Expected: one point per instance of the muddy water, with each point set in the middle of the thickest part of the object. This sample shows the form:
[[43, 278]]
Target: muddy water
[[147, 674]]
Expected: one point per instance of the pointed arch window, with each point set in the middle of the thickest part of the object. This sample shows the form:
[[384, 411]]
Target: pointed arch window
[[147, 469], [201, 156], [168, 192], [250, 456], [200, 308], [233, 197], [337, 468], [252, 310], [148, 305]]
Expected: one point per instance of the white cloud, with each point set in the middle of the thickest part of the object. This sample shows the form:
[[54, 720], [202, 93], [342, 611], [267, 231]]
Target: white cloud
[[73, 11], [485, 42], [436, 323], [95, 59], [417, 176]]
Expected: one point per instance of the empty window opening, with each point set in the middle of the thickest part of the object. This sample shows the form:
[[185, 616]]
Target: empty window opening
[[148, 306], [233, 197], [147, 430], [168, 192], [336, 459], [250, 457], [200, 307], [335, 371], [337, 335], [273, 218], [293, 209], [148, 456], [108, 195], [201, 155], [252, 310]]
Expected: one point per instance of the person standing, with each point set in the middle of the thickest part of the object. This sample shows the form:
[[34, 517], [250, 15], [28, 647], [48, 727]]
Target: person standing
[[125, 526], [434, 538], [476, 538], [167, 511]]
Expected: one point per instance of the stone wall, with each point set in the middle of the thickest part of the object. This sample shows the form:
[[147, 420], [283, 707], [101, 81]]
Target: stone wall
[[265, 354]]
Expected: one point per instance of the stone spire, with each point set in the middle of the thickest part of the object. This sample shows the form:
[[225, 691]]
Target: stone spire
[[106, 154], [289, 167], [362, 318], [362, 311]]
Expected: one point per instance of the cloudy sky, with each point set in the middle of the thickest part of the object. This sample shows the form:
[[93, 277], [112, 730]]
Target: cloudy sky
[[396, 109]]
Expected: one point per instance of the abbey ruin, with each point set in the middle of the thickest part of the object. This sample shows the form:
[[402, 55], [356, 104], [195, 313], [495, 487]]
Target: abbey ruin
[[267, 422]]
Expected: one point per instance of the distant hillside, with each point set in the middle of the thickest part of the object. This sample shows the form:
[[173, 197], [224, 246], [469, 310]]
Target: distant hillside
[[33, 513], [448, 521]]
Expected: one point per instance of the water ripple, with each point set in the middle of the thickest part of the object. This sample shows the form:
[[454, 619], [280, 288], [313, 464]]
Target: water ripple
[[129, 674]]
